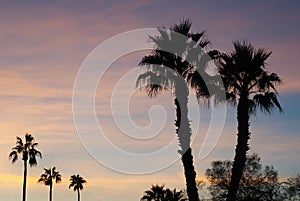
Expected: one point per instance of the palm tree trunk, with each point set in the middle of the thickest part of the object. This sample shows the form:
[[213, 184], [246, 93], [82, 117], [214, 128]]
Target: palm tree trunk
[[190, 175], [50, 193], [241, 148], [24, 180], [78, 193], [184, 137]]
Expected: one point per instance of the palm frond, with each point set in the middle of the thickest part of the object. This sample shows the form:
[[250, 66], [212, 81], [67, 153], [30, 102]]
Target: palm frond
[[58, 178], [47, 171], [28, 138], [13, 156], [260, 56], [19, 141], [34, 145], [183, 27], [153, 83], [197, 82], [267, 102], [18, 148], [268, 81], [33, 153], [252, 107]]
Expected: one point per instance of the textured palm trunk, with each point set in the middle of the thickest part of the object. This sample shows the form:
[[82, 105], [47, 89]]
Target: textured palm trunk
[[241, 148], [78, 193], [184, 137], [24, 179], [50, 193]]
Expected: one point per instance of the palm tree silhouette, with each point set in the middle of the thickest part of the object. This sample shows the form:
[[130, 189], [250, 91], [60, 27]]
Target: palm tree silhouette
[[245, 78], [174, 195], [48, 177], [166, 70], [29, 155], [156, 193], [159, 193], [76, 183]]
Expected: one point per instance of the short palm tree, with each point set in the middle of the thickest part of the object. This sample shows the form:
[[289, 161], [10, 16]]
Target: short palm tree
[[169, 70], [245, 78], [156, 193], [27, 150], [48, 177], [159, 193], [174, 195], [76, 182]]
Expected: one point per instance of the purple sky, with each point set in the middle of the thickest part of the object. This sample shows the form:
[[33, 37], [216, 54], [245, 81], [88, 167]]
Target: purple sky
[[43, 45]]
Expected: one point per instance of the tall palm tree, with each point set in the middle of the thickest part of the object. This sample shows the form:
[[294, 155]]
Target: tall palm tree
[[247, 82], [76, 182], [48, 177], [27, 150], [167, 70]]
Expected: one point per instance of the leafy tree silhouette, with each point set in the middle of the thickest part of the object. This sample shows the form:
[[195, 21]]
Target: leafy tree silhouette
[[245, 78], [48, 177], [29, 155], [170, 71], [258, 183], [293, 187], [76, 182]]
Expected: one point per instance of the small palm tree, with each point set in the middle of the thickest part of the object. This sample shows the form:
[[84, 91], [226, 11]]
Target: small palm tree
[[166, 70], [27, 150], [174, 195], [76, 183], [159, 193], [156, 193], [48, 177], [245, 78]]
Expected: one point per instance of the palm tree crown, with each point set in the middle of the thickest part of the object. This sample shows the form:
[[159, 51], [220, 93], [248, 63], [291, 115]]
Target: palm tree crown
[[50, 175], [177, 55], [156, 193], [76, 182], [244, 75], [27, 150], [159, 193]]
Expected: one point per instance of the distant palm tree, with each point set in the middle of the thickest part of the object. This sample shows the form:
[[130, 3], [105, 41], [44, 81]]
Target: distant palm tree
[[159, 193], [48, 177], [245, 78], [29, 155], [166, 70], [76, 184]]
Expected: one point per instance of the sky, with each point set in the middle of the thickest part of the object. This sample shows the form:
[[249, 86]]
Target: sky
[[44, 47]]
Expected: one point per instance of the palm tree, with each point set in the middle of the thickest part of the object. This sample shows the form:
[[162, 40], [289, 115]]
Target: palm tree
[[174, 195], [76, 183], [48, 177], [159, 193], [245, 78], [166, 70], [29, 155], [156, 193]]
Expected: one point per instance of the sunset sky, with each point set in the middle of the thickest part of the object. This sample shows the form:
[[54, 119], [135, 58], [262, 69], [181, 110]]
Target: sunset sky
[[43, 45]]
